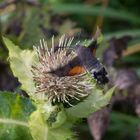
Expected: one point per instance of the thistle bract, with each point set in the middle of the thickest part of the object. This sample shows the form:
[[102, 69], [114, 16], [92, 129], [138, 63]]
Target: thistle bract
[[62, 89]]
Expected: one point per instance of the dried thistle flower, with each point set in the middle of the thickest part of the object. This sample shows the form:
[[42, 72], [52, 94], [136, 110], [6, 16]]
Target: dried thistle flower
[[55, 88]]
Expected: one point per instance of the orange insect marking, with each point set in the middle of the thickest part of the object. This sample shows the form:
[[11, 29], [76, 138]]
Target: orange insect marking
[[76, 70]]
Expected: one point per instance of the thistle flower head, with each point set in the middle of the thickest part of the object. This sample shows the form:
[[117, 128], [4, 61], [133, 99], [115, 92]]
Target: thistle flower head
[[58, 88]]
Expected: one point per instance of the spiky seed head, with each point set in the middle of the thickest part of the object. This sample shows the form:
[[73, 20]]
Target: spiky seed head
[[58, 89]]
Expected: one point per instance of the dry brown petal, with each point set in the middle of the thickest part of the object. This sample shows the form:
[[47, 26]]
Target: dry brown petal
[[98, 122]]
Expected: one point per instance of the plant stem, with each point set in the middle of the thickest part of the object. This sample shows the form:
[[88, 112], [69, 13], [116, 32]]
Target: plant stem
[[132, 50]]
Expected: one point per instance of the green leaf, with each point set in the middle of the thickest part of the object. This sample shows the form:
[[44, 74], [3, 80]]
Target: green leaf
[[118, 34], [14, 113], [54, 115], [94, 102], [20, 63], [64, 132], [95, 10], [40, 130]]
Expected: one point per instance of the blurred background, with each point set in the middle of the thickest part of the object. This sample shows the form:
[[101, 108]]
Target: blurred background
[[25, 22]]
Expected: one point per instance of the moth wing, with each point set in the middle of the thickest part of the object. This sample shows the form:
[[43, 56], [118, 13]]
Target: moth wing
[[76, 70]]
